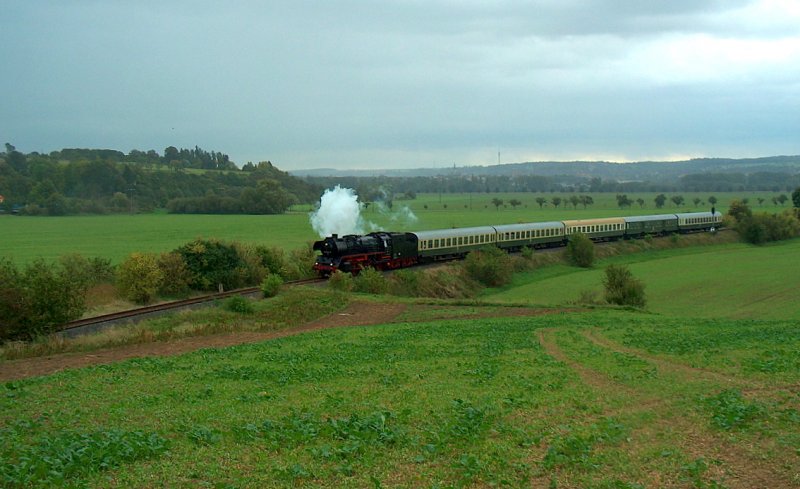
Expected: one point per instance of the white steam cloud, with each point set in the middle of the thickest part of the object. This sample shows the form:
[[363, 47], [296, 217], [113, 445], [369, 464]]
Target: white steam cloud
[[339, 212]]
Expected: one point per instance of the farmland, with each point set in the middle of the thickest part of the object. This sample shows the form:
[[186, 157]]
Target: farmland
[[527, 386], [602, 399], [115, 236]]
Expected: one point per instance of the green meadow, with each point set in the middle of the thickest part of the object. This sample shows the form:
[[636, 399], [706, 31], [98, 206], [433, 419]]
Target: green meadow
[[727, 281], [115, 236]]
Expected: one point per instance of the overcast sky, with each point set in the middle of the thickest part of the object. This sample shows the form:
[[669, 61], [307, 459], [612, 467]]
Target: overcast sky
[[395, 84]]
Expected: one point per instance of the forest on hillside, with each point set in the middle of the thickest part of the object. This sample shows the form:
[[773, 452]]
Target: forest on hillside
[[98, 181]]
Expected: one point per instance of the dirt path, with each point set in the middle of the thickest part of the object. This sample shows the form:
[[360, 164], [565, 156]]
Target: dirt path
[[356, 314]]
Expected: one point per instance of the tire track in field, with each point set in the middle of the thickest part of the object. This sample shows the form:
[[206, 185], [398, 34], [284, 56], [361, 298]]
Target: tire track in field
[[737, 469], [692, 373]]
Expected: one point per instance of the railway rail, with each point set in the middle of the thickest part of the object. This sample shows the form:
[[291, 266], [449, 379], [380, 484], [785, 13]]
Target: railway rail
[[93, 324]]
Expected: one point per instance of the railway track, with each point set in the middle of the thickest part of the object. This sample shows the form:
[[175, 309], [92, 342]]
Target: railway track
[[93, 324]]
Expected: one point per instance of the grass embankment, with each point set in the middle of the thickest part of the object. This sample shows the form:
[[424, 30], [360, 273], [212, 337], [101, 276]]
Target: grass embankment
[[731, 280], [294, 307], [598, 400]]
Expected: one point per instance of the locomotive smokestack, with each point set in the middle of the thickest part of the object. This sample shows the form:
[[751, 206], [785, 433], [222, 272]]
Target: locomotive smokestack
[[334, 236]]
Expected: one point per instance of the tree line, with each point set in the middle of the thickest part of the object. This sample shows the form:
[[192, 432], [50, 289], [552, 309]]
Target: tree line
[[78, 181]]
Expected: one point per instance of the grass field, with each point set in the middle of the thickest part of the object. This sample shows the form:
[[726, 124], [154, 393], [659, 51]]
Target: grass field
[[607, 399], [24, 239], [727, 281]]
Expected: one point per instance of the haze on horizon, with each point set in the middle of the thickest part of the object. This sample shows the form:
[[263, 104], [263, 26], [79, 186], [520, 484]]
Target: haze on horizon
[[404, 83]]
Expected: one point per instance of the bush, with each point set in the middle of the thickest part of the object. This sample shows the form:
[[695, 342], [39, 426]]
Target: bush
[[139, 277], [239, 304], [212, 263], [404, 283], [370, 281], [177, 275], [341, 281], [761, 228], [622, 288], [87, 271], [490, 266], [580, 250], [38, 299], [271, 285], [300, 263], [739, 210]]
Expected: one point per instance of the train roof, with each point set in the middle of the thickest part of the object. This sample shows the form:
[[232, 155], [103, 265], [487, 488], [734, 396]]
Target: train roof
[[689, 215], [655, 217], [590, 222], [528, 225], [455, 232]]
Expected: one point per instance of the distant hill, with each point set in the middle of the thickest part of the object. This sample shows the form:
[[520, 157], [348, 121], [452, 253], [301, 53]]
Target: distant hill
[[639, 171]]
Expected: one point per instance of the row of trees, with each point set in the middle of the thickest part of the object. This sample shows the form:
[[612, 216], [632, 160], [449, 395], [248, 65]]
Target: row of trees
[[699, 182], [51, 185]]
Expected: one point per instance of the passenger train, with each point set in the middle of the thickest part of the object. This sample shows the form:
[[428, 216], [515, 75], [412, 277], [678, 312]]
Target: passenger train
[[391, 250]]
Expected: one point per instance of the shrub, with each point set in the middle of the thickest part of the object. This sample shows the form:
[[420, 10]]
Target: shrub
[[212, 263], [176, 273], [300, 263], [739, 210], [38, 299], [271, 285], [491, 266], [370, 281], [761, 228], [139, 277], [251, 270], [580, 250], [12, 306], [239, 304], [622, 288], [404, 283], [87, 271], [341, 281]]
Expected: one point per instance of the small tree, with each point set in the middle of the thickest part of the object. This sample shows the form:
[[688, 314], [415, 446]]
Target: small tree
[[514, 203], [497, 203], [580, 250], [796, 197], [660, 200], [586, 200], [712, 200], [640, 201], [556, 201], [622, 288], [677, 200], [542, 201], [139, 277]]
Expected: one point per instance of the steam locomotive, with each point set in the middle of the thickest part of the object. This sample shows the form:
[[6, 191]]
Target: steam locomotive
[[390, 250]]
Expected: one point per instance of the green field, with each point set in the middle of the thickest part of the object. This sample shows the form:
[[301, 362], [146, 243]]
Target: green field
[[699, 390], [728, 281], [23, 239], [596, 400]]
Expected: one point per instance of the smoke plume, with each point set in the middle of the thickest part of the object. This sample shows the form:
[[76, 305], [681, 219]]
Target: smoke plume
[[339, 212]]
